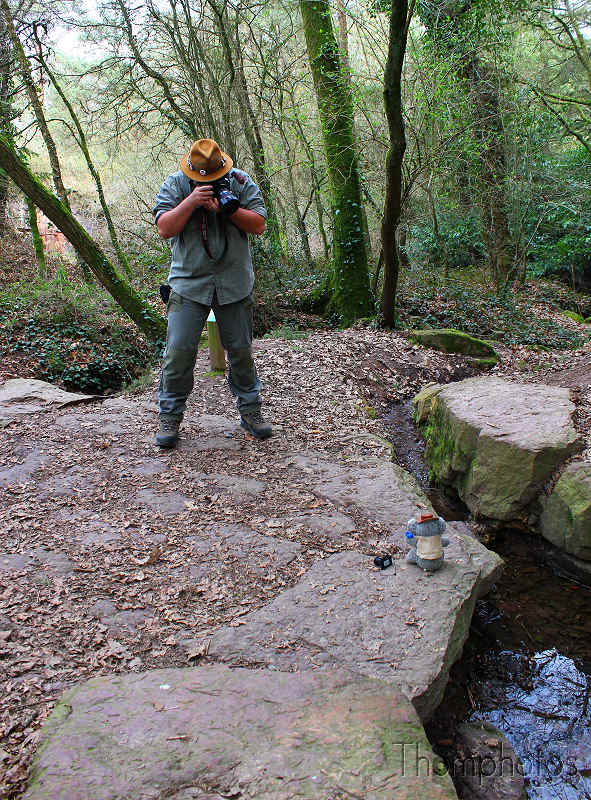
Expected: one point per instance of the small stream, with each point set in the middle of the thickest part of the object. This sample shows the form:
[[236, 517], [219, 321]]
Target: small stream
[[526, 667]]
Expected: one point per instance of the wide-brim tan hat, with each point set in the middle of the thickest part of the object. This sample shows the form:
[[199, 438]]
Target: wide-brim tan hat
[[206, 162]]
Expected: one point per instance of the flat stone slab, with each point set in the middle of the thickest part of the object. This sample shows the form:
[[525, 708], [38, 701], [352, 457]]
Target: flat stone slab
[[107, 612], [149, 466], [384, 492], [235, 484], [329, 523], [200, 444], [497, 442], [400, 625], [23, 472], [74, 481], [217, 424], [213, 732], [166, 503], [22, 396], [241, 546], [14, 562], [55, 561]]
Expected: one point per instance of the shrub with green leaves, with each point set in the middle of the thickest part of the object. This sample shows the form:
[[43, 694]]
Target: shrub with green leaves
[[561, 240], [476, 309], [72, 336], [460, 243]]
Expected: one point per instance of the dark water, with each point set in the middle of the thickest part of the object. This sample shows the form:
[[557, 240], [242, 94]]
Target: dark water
[[526, 667]]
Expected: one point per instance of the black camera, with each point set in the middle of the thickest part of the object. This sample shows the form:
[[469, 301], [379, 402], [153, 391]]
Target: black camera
[[222, 190]]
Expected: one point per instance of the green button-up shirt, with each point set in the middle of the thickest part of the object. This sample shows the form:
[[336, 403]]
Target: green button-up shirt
[[228, 271]]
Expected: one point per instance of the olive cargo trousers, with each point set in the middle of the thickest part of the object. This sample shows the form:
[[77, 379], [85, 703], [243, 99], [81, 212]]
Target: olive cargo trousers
[[186, 319]]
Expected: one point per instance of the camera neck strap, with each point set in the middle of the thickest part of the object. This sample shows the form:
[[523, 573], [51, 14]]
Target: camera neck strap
[[204, 225]]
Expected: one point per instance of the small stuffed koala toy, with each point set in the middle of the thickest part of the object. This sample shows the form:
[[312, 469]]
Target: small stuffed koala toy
[[426, 542]]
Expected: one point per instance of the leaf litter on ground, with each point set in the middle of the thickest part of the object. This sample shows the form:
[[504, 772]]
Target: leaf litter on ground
[[101, 583]]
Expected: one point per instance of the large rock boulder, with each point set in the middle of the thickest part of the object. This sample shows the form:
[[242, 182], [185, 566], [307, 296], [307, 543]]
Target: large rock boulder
[[213, 732], [449, 340], [497, 442], [566, 518]]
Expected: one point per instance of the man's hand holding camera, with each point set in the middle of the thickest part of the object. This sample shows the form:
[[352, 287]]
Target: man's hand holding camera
[[218, 197], [204, 197]]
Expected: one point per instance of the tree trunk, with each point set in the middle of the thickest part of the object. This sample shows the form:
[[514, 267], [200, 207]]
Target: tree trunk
[[399, 22], [250, 128], [3, 202], [5, 115], [346, 68], [351, 294], [36, 238], [445, 23], [82, 143], [439, 242], [402, 253], [344, 39], [492, 171], [300, 220], [149, 322], [33, 96]]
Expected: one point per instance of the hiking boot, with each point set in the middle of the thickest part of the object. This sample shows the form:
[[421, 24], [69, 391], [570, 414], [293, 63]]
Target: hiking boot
[[253, 422], [168, 435]]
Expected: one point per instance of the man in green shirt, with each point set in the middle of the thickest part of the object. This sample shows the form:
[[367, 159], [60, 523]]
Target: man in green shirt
[[211, 268]]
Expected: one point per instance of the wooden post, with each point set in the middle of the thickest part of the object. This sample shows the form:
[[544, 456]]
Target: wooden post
[[217, 357]]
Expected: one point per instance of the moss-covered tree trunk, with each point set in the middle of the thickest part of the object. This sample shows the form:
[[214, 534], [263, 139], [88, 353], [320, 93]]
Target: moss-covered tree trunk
[[5, 113], [36, 238], [147, 320], [399, 22], [351, 294], [493, 170], [35, 102]]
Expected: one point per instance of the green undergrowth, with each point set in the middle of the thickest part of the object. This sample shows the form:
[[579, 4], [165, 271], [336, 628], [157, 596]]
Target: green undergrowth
[[288, 332], [72, 335], [472, 305]]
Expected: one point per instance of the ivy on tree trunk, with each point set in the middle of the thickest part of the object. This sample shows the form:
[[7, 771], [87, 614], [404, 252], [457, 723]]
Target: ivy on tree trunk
[[147, 320], [351, 294]]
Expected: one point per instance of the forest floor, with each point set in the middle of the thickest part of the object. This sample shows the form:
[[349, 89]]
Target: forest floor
[[98, 572], [94, 581]]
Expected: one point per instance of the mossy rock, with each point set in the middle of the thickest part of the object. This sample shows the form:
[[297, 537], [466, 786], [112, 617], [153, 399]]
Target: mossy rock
[[496, 442], [449, 340], [485, 363], [423, 402], [574, 316], [566, 519]]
